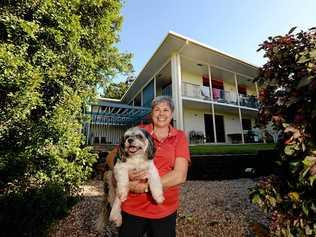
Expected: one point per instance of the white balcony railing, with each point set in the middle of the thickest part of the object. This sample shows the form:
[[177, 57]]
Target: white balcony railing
[[220, 96]]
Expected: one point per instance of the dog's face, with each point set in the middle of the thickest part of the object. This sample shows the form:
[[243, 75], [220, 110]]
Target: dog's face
[[136, 141]]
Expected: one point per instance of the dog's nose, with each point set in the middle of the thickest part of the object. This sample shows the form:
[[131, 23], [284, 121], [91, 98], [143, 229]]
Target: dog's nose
[[130, 140]]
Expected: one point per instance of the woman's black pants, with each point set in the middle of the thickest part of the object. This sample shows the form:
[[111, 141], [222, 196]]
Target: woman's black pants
[[135, 226]]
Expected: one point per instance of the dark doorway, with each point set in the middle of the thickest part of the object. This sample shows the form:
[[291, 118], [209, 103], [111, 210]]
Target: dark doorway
[[209, 131], [220, 129]]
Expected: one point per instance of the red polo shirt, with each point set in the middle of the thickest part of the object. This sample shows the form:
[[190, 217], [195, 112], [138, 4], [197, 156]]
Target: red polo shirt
[[143, 205]]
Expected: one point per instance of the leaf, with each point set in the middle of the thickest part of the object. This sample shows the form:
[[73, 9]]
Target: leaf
[[291, 30], [308, 230], [285, 125], [304, 82], [312, 180], [294, 164], [256, 199], [312, 53], [272, 200], [305, 209], [309, 160], [294, 196], [288, 150], [303, 59], [305, 172]]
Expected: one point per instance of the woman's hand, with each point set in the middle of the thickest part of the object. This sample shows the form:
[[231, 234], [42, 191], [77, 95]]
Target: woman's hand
[[137, 175], [138, 182], [138, 186]]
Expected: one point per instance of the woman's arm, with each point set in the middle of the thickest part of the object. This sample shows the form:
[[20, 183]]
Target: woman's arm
[[178, 175], [175, 177]]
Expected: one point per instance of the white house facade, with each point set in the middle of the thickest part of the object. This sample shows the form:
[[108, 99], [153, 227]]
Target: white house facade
[[214, 93]]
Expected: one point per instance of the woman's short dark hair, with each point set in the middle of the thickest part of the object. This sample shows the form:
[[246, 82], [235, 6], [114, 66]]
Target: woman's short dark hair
[[163, 98]]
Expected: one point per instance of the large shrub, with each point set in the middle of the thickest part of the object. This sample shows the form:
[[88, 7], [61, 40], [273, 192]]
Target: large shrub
[[30, 213], [53, 54], [289, 101]]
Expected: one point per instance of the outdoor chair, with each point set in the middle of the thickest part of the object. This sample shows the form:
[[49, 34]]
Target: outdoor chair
[[196, 137]]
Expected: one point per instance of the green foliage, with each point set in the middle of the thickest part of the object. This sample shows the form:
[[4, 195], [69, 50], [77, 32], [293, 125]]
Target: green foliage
[[53, 54], [289, 101], [116, 90], [30, 213]]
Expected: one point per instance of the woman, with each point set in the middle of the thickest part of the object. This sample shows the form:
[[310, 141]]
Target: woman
[[140, 212]]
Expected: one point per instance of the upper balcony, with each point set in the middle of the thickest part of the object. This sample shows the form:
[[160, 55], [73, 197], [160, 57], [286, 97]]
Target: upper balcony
[[219, 96]]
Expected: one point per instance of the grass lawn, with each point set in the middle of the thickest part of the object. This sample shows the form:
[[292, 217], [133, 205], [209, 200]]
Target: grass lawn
[[229, 149]]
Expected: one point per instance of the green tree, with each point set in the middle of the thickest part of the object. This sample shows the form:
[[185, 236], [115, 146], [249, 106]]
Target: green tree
[[116, 90], [289, 101], [53, 53]]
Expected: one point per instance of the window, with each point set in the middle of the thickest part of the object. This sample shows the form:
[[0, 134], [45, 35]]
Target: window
[[217, 84], [242, 89], [103, 140], [167, 90], [138, 100], [246, 124], [148, 94], [206, 81]]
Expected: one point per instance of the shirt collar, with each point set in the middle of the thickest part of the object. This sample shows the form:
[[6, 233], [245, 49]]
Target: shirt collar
[[172, 131]]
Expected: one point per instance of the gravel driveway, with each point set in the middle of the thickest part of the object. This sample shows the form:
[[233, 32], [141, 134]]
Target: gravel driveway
[[208, 208]]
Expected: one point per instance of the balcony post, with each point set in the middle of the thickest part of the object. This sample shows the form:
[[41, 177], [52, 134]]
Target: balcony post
[[239, 110], [176, 90], [213, 111]]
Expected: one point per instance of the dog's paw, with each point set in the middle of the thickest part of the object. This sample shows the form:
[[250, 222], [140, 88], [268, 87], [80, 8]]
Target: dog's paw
[[159, 198], [116, 218]]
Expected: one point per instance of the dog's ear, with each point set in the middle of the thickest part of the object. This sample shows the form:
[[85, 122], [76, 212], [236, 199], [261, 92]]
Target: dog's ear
[[121, 151], [151, 148]]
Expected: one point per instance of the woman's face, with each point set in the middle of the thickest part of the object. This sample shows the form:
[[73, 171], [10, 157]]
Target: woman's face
[[161, 115]]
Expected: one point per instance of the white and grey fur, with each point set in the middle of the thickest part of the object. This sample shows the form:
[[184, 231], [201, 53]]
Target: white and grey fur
[[136, 152]]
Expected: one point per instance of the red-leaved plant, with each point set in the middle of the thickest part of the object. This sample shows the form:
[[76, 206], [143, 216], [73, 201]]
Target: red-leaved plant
[[289, 101]]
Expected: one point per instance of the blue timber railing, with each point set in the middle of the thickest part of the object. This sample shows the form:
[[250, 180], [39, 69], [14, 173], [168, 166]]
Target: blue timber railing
[[117, 114], [107, 121]]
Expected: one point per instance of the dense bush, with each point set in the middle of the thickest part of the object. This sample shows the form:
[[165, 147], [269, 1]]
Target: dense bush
[[53, 54], [30, 213], [289, 101]]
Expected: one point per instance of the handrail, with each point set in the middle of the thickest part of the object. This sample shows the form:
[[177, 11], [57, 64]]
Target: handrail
[[219, 95]]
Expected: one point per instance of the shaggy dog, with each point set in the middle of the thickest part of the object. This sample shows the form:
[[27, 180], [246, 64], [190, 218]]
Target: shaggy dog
[[136, 152]]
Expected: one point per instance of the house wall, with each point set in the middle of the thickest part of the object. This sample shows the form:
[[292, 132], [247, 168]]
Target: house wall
[[196, 79], [229, 87], [194, 121], [191, 77], [251, 91], [232, 125], [112, 134]]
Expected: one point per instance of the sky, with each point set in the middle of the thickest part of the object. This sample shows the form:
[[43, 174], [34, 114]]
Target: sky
[[235, 27]]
